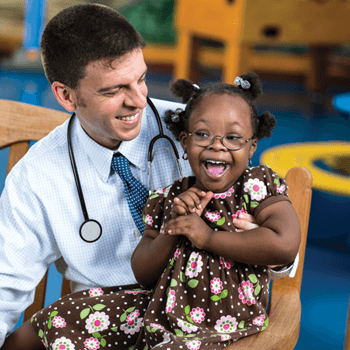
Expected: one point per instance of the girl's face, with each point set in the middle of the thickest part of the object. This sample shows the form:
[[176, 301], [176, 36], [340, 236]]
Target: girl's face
[[216, 167]]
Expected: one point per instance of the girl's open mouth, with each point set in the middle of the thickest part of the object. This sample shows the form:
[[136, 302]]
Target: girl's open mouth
[[215, 168]]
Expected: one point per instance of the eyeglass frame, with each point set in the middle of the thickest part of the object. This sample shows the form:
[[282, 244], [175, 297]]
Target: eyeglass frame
[[222, 140]]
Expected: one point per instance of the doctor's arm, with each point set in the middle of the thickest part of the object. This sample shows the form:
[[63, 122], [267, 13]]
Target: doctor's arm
[[25, 250]]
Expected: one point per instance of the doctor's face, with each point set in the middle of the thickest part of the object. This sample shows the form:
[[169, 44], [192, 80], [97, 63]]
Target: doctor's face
[[111, 97]]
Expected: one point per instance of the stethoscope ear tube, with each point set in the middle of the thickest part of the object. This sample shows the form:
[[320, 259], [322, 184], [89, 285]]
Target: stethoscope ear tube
[[90, 230], [161, 135]]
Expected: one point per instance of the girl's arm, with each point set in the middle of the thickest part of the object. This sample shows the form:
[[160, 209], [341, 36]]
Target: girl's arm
[[151, 256], [275, 242]]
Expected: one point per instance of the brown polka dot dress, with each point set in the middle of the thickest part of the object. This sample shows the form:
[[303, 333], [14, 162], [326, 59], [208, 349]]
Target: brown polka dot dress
[[200, 302]]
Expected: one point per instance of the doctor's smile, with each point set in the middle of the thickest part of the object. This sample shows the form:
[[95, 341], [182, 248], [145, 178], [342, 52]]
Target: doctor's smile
[[130, 119]]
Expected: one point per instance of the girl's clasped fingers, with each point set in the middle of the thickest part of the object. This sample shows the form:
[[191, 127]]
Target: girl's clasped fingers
[[189, 200]]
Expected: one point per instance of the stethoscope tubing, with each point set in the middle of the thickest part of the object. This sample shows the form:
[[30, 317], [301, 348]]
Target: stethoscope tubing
[[91, 230]]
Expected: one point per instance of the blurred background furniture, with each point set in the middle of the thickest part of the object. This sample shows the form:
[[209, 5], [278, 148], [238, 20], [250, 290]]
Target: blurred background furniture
[[241, 24]]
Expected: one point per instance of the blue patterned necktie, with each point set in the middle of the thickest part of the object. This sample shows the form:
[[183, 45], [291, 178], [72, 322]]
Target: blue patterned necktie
[[135, 192]]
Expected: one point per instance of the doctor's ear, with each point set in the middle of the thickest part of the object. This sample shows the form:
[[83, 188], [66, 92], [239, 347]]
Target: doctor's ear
[[64, 95]]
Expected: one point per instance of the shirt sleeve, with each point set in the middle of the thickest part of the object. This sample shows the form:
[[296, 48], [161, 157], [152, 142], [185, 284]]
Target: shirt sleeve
[[26, 250], [263, 187]]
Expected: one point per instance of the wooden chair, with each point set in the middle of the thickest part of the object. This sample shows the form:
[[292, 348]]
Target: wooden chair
[[241, 24], [21, 123], [285, 308]]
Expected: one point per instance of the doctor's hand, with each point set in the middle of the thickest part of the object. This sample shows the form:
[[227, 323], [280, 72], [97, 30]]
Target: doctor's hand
[[191, 201], [245, 222]]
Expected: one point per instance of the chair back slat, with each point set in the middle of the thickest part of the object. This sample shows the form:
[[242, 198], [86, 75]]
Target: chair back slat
[[21, 123], [299, 180], [17, 151]]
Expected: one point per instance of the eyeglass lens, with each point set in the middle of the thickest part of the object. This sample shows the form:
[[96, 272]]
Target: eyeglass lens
[[231, 141]]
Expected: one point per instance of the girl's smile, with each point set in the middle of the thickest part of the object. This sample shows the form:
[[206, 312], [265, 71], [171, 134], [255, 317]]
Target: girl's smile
[[215, 166]]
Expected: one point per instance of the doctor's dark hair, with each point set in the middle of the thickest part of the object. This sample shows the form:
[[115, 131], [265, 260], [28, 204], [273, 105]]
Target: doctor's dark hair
[[82, 34], [191, 94]]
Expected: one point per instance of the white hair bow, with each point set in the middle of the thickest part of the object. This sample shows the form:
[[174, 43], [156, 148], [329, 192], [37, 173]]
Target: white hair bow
[[241, 82]]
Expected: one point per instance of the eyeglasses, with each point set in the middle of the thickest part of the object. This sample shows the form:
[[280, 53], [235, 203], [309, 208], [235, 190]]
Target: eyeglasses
[[231, 141]]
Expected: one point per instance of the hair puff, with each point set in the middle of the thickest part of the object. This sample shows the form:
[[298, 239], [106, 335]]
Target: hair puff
[[182, 88], [255, 89], [266, 123]]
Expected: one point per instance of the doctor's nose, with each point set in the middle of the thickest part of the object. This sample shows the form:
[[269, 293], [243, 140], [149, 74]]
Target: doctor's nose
[[137, 97]]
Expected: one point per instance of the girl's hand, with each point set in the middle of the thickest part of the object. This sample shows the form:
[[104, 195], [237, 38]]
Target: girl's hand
[[191, 226], [245, 222], [191, 201]]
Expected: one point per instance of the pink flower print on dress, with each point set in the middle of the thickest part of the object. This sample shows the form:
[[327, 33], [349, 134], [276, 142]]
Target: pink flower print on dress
[[132, 326], [148, 220], [194, 344], [135, 292], [133, 315], [97, 322], [213, 216], [197, 315], [177, 253], [170, 302], [58, 322], [256, 189], [194, 265], [157, 325], [95, 292], [281, 189], [259, 321], [63, 344], [186, 326], [246, 291], [91, 344], [225, 194], [237, 213], [166, 191], [226, 324], [225, 264], [225, 337], [216, 286]]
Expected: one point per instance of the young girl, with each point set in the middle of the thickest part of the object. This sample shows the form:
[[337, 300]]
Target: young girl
[[214, 288], [210, 280]]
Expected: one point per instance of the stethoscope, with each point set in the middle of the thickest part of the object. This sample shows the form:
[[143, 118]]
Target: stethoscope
[[91, 230]]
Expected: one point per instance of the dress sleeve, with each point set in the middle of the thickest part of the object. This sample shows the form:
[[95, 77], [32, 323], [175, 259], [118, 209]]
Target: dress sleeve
[[263, 187], [153, 212]]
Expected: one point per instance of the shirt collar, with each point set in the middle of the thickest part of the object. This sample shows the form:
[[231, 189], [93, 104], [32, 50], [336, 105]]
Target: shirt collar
[[100, 156], [134, 150]]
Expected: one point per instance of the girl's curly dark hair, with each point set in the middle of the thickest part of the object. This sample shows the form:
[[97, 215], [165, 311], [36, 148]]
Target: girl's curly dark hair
[[191, 94]]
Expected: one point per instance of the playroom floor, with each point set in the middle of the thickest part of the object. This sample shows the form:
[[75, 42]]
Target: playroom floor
[[301, 117]]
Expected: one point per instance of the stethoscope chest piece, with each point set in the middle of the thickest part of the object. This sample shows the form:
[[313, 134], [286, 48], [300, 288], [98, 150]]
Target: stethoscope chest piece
[[90, 231]]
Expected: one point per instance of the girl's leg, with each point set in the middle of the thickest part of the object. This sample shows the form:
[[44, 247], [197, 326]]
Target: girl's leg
[[23, 338]]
